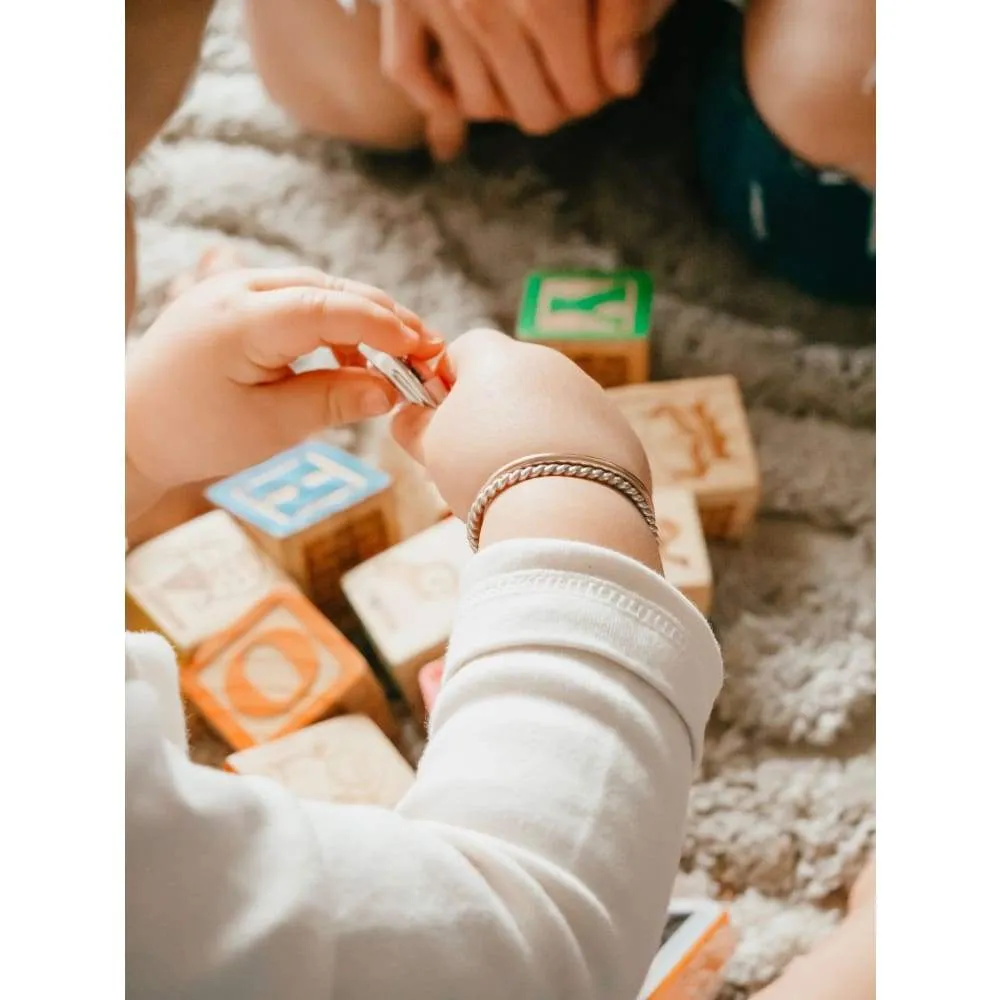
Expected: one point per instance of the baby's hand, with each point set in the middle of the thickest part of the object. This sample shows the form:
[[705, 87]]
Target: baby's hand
[[510, 400], [209, 388]]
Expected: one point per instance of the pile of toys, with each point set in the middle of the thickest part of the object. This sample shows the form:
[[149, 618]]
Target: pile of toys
[[310, 614]]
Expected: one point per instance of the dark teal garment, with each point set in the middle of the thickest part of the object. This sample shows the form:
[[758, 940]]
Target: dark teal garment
[[811, 227]]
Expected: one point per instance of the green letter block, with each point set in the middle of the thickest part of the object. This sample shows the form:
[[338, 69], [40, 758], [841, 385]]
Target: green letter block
[[585, 305]]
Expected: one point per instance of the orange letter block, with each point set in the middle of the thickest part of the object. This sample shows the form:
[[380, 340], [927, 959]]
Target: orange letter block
[[697, 942], [346, 760], [279, 668], [696, 434]]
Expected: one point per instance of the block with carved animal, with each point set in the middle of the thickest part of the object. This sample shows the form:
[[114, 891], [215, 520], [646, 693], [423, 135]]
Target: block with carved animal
[[683, 551], [347, 760], [600, 319], [405, 599], [697, 436], [280, 667], [196, 580], [317, 511]]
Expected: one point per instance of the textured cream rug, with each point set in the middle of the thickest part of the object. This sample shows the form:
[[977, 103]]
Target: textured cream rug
[[783, 813]]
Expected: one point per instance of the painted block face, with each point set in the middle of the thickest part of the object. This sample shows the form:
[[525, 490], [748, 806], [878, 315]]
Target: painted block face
[[406, 598], [697, 942], [197, 579], [279, 668], [316, 511], [683, 551], [346, 760], [582, 305], [697, 436], [298, 489]]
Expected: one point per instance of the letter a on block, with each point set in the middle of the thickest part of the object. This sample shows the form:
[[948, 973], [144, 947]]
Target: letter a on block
[[281, 667]]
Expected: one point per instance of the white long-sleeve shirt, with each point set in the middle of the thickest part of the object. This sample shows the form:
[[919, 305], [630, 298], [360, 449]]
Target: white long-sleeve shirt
[[533, 857]]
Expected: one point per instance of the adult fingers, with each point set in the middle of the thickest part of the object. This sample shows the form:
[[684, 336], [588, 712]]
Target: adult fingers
[[445, 134], [621, 25], [477, 95], [562, 33], [516, 66], [406, 57]]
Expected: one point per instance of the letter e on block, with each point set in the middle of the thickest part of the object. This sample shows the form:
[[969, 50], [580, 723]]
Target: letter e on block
[[317, 511]]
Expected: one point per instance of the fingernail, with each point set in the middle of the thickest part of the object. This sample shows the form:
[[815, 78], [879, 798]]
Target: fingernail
[[374, 403], [626, 70]]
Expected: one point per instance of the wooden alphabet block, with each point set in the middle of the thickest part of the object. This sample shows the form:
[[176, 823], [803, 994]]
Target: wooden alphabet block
[[682, 546], [195, 580], [406, 597], [698, 940], [279, 668], [417, 502], [347, 760], [429, 679], [600, 319], [697, 436], [317, 511]]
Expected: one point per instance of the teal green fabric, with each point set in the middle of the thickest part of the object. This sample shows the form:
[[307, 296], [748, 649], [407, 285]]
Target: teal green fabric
[[811, 227]]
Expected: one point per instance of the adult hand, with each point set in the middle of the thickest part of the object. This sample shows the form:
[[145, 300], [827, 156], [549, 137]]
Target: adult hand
[[537, 63], [432, 58], [542, 55], [622, 34]]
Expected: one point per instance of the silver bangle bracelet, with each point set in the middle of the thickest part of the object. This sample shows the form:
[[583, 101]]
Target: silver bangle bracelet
[[571, 466]]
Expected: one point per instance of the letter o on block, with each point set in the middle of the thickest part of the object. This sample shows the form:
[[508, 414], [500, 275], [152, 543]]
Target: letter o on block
[[296, 649]]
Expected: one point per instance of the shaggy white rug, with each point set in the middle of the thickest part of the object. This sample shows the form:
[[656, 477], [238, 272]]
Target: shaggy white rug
[[783, 812]]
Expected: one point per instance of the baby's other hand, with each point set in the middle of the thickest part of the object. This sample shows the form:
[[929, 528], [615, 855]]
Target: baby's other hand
[[209, 387], [509, 400]]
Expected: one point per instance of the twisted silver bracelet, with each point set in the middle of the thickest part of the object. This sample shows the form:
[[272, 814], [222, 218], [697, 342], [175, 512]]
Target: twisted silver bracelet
[[571, 466]]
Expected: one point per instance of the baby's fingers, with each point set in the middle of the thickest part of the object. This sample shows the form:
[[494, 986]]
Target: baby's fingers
[[297, 277], [289, 322]]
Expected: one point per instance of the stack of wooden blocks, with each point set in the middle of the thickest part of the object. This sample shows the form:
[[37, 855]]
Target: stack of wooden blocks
[[706, 481], [254, 598], [314, 555]]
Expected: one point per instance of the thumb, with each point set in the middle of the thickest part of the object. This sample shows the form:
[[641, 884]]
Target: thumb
[[300, 405]]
